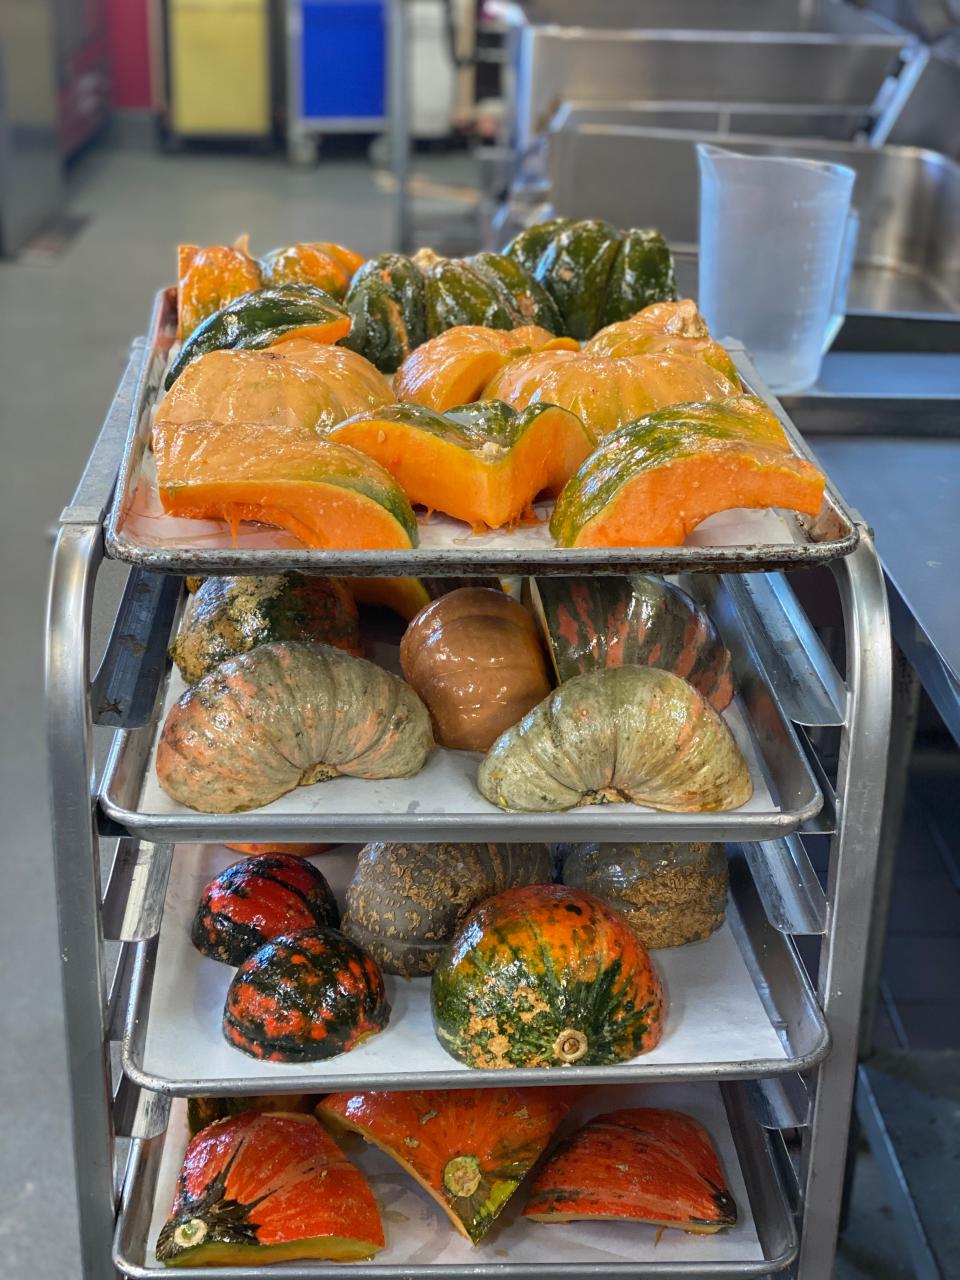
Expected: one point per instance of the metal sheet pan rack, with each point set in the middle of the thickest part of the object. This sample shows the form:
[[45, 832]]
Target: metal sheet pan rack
[[114, 887]]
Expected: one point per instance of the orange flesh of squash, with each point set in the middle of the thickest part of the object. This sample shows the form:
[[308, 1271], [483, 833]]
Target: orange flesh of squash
[[661, 506]]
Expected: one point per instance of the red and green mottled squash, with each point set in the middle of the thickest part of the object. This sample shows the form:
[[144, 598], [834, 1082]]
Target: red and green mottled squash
[[617, 734], [208, 278], [606, 392], [642, 621], [484, 463], [406, 901], [455, 367], [287, 715], [325, 494], [305, 996], [651, 483], [256, 1189], [257, 900], [468, 1148], [330, 267], [546, 976], [475, 658], [202, 1111], [636, 1165], [227, 616]]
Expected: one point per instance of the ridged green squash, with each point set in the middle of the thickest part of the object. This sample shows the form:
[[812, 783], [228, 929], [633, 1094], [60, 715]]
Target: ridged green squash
[[642, 273], [387, 303], [457, 294], [528, 246], [519, 289], [575, 268]]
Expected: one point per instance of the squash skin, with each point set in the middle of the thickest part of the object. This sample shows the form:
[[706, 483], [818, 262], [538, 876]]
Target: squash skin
[[642, 621], [387, 302], [606, 392], [208, 278], [324, 493], [227, 616], [653, 481], [482, 463], [468, 1148], [626, 338], [545, 976], [475, 658], [262, 318], [529, 245], [406, 901], [457, 294], [642, 273], [304, 997], [518, 289], [576, 267], [638, 1165], [307, 264], [257, 1188], [283, 715], [258, 899], [618, 734], [203, 1111], [404, 596]]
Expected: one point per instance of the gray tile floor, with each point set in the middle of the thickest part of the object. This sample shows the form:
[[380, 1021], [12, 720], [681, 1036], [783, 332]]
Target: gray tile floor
[[64, 330]]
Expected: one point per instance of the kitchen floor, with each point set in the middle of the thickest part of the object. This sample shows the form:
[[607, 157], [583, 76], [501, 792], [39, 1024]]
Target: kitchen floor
[[65, 325]]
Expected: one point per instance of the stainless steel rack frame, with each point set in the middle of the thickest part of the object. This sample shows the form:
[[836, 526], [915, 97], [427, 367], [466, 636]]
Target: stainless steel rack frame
[[105, 912]]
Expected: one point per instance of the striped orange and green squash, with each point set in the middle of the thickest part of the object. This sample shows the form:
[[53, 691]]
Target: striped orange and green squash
[[636, 1165], [642, 621], [288, 714], [227, 616], [208, 278], [468, 1148], [484, 463], [324, 493], [329, 266], [546, 976], [256, 1189], [618, 734], [305, 996], [651, 483]]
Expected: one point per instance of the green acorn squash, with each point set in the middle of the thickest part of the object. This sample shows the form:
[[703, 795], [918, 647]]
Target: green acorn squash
[[387, 303], [642, 273], [575, 268], [518, 289]]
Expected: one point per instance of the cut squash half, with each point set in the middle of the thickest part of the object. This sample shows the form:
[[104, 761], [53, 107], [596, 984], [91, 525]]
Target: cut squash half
[[327, 495], [483, 463], [404, 596]]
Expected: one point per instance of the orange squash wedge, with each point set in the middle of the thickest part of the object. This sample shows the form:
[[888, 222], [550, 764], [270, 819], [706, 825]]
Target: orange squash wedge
[[665, 328], [325, 494], [454, 367], [405, 596], [484, 463], [329, 266], [208, 278], [651, 483]]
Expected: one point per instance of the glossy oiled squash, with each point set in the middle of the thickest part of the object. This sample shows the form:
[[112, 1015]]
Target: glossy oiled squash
[[262, 319], [652, 482], [226, 616], [619, 734], [638, 1165], [387, 303], [458, 294], [468, 1148], [406, 901], [545, 976], [665, 328], [484, 463], [256, 1189], [287, 715], [330, 267], [642, 273], [300, 383], [209, 278], [475, 658], [405, 596], [606, 391], [325, 494], [642, 620], [305, 996], [257, 900], [455, 367], [519, 289]]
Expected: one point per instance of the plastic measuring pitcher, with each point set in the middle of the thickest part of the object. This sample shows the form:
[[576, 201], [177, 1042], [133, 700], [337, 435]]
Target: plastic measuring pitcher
[[776, 240]]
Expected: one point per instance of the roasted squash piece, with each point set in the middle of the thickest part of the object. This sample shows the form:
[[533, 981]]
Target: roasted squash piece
[[326, 494], [483, 463], [652, 482]]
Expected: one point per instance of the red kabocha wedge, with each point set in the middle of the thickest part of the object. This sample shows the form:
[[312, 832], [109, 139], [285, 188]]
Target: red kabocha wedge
[[638, 1165], [255, 1189], [469, 1148], [327, 495]]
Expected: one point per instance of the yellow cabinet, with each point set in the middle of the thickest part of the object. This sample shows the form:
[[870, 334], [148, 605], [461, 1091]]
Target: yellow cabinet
[[219, 54]]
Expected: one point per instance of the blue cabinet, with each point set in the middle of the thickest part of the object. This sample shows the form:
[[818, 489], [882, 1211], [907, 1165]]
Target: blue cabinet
[[343, 62]]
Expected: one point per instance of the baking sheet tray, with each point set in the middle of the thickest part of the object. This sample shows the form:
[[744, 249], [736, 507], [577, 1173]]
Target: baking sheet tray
[[420, 1240], [138, 532], [737, 1006]]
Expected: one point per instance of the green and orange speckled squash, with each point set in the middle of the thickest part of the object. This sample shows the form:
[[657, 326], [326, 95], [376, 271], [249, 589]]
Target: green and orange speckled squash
[[227, 616], [305, 996], [650, 483], [546, 976], [618, 734], [641, 620], [256, 1189], [286, 715], [468, 1148]]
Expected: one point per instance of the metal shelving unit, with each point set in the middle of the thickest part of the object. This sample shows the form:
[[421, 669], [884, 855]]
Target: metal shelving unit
[[111, 916]]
